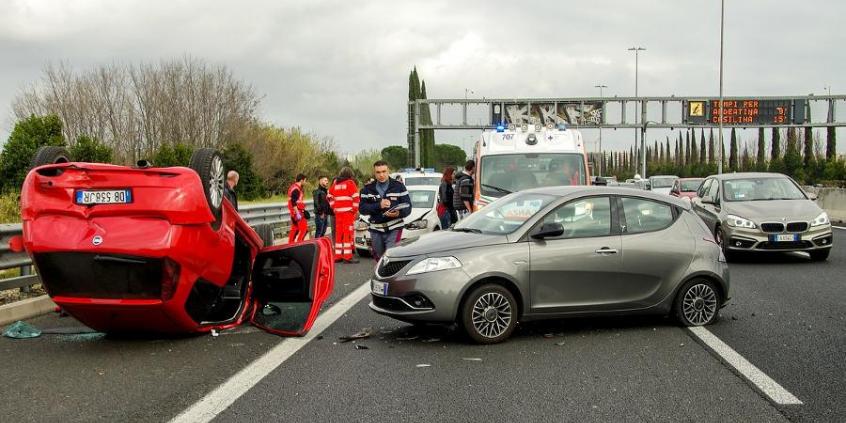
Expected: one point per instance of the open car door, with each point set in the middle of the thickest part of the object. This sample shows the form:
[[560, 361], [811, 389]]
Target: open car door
[[290, 283]]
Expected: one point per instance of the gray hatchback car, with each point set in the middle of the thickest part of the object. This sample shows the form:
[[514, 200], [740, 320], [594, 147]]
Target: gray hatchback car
[[557, 252]]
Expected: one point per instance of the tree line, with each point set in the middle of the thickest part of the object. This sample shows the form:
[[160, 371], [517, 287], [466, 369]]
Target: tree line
[[797, 152]]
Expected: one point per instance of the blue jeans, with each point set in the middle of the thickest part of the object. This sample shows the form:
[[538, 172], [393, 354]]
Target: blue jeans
[[320, 225], [384, 240], [445, 220]]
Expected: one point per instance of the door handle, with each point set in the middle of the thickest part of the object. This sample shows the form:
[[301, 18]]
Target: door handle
[[606, 250]]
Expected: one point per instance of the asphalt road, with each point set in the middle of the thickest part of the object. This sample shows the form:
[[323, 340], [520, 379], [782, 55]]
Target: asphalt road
[[786, 317]]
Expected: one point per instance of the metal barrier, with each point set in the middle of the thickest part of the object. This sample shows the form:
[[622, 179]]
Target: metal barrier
[[275, 214]]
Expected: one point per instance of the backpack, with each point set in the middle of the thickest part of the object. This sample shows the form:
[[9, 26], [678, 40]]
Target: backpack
[[463, 184]]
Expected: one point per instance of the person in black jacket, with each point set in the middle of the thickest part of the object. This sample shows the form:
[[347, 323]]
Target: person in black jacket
[[446, 211], [387, 203], [464, 196], [321, 207], [229, 188]]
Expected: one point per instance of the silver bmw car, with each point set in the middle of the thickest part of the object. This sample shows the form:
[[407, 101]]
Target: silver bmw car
[[557, 252]]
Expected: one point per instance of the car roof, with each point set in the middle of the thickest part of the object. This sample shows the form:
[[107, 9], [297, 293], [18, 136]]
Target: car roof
[[579, 190], [693, 178], [746, 175]]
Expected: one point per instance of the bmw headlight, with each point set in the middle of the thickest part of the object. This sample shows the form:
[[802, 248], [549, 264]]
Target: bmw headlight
[[739, 222], [361, 225], [418, 224], [822, 219], [433, 264]]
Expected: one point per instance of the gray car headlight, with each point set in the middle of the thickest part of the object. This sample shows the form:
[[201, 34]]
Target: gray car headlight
[[433, 264], [418, 224], [739, 222], [822, 219]]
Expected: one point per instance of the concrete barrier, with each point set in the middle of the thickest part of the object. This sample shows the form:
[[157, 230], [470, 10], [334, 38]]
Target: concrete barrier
[[832, 200]]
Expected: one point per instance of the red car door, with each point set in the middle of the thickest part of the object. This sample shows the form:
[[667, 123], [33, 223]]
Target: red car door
[[290, 283]]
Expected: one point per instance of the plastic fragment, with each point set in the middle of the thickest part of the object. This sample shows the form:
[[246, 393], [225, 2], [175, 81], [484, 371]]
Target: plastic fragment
[[363, 334], [21, 330], [423, 365], [361, 347]]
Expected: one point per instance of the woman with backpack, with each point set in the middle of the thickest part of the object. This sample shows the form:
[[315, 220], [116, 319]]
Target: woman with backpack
[[446, 211]]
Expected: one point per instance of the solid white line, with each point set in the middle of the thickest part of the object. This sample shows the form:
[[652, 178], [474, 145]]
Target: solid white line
[[767, 385], [228, 392], [839, 227]]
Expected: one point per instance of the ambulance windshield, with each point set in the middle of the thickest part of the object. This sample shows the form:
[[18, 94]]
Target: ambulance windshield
[[505, 173]]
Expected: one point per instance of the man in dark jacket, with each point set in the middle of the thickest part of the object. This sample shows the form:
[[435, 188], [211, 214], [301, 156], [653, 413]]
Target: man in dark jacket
[[229, 188], [387, 203], [321, 207], [463, 197]]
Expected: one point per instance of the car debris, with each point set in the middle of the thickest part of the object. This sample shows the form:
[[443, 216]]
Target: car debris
[[21, 330], [361, 347], [362, 334], [423, 365]]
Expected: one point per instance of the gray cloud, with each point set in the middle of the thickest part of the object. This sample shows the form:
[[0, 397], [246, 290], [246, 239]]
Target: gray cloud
[[340, 68]]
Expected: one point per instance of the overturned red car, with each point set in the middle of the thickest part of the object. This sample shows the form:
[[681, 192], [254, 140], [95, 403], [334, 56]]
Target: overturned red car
[[147, 249]]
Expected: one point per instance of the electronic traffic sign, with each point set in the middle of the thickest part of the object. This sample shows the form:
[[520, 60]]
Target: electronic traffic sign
[[745, 112]]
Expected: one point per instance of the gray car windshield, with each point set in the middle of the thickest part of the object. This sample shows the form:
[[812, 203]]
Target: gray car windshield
[[662, 182], [422, 199], [761, 189], [691, 185], [502, 174], [505, 215]]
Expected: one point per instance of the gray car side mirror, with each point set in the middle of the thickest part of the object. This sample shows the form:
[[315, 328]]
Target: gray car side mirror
[[548, 230], [707, 200], [812, 196]]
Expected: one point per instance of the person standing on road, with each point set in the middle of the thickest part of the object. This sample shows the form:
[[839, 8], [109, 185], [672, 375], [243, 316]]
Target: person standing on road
[[464, 185], [296, 208], [321, 207], [229, 188], [344, 198], [387, 203], [446, 210]]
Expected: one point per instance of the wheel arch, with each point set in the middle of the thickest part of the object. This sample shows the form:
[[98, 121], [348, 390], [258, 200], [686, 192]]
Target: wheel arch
[[497, 279], [718, 282]]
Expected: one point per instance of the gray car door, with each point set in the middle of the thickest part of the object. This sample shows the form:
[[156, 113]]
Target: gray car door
[[656, 251], [579, 269], [708, 212]]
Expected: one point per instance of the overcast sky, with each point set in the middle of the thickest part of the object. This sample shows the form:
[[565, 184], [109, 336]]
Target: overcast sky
[[340, 68]]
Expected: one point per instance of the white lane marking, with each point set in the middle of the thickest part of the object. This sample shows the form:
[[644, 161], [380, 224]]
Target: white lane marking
[[228, 392], [839, 227], [764, 383]]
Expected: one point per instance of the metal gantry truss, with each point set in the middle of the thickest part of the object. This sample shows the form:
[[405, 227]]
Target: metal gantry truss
[[584, 106]]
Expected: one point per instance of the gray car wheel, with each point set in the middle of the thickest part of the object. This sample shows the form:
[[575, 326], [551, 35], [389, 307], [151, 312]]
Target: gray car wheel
[[698, 303], [489, 314]]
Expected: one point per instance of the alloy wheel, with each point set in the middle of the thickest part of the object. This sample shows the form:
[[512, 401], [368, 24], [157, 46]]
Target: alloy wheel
[[699, 304], [491, 315], [216, 182]]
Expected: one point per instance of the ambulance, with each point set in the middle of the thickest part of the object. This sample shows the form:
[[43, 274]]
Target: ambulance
[[530, 155]]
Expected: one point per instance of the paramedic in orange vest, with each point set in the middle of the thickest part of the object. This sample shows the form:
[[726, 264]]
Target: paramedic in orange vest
[[343, 199], [296, 208]]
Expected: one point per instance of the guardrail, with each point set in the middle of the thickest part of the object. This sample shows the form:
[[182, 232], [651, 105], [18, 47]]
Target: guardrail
[[274, 214]]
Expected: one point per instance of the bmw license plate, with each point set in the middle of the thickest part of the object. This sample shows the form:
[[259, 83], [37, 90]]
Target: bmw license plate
[[784, 238], [114, 196], [380, 288]]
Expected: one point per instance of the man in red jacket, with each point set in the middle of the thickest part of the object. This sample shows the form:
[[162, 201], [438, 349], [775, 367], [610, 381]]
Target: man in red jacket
[[296, 208], [344, 200]]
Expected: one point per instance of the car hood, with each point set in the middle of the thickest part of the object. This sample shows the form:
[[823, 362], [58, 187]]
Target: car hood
[[759, 211], [442, 241], [416, 214]]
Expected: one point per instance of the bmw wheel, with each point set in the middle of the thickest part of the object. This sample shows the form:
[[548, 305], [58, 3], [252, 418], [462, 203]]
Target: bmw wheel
[[209, 165], [698, 303], [489, 314]]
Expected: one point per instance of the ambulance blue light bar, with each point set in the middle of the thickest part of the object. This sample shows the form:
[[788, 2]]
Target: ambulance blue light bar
[[500, 128]]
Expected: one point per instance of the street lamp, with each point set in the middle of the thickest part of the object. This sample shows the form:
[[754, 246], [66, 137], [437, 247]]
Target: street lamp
[[467, 90], [722, 29], [637, 50], [601, 155]]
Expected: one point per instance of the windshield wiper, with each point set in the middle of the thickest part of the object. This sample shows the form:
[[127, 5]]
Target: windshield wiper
[[496, 188], [471, 230]]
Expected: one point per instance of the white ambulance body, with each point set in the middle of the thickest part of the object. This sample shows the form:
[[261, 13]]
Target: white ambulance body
[[528, 156]]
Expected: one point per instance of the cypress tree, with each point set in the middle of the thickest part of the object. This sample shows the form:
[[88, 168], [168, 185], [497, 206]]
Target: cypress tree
[[667, 157], [792, 160], [808, 154], [686, 148], [702, 152], [745, 159], [711, 145], [413, 94], [427, 159], [831, 143], [733, 151], [694, 150], [775, 153]]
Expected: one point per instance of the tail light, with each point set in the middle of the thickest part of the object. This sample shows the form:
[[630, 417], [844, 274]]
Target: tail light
[[170, 278]]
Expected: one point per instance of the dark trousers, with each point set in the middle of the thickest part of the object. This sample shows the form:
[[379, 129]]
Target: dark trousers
[[320, 225]]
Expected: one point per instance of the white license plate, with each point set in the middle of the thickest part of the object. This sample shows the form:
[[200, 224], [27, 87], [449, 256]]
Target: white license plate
[[785, 238], [114, 196], [380, 288]]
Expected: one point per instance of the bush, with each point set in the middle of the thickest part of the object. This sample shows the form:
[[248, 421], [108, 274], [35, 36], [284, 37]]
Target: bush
[[177, 154], [10, 211], [29, 134], [236, 158], [90, 150]]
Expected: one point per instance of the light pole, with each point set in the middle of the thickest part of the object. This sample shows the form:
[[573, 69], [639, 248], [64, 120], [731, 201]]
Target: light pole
[[467, 90], [642, 144], [722, 29], [601, 154]]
